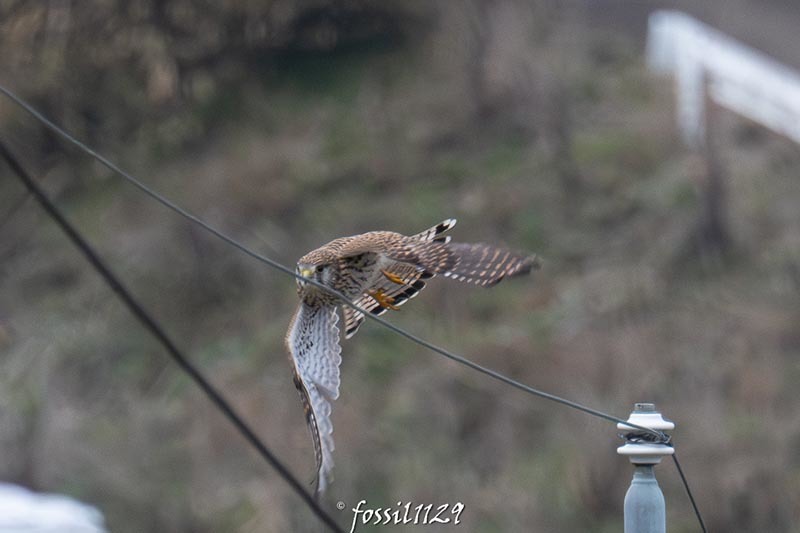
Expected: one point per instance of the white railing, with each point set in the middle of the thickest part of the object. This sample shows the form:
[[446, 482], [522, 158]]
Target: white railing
[[707, 62]]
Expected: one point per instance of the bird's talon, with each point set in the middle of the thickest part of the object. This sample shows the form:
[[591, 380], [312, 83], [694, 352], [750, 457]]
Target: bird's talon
[[394, 278], [383, 300]]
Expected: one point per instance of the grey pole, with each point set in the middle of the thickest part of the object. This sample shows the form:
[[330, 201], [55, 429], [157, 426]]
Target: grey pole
[[644, 503]]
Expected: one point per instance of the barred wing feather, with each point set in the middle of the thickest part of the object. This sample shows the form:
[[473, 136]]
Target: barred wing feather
[[413, 282], [411, 274], [313, 343], [486, 265]]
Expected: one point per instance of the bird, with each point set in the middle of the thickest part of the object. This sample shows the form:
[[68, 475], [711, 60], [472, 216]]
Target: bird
[[377, 271]]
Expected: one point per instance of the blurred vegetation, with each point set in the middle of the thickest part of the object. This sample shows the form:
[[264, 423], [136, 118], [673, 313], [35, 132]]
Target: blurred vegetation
[[289, 123]]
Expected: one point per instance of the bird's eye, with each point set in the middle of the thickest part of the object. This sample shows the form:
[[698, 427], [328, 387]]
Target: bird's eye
[[320, 268]]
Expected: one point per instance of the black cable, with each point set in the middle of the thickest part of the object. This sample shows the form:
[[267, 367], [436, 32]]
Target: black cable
[[158, 332], [689, 492], [660, 436]]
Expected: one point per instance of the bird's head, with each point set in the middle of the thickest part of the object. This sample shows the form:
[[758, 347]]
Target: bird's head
[[318, 266], [319, 272]]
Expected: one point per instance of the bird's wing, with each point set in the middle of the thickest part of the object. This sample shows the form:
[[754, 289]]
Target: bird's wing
[[407, 264], [413, 282], [479, 264], [369, 245], [426, 250], [482, 264], [313, 343]]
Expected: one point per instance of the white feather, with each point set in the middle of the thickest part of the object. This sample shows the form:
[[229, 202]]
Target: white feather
[[313, 342]]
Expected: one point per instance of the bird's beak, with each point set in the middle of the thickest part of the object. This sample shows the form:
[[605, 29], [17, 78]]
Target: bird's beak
[[306, 272]]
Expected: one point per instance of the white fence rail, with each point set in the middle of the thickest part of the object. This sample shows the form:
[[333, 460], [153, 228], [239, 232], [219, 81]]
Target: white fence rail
[[735, 76]]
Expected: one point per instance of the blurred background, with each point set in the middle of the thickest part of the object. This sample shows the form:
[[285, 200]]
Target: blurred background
[[289, 123]]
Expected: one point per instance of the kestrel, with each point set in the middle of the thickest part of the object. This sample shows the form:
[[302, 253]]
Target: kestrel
[[378, 271]]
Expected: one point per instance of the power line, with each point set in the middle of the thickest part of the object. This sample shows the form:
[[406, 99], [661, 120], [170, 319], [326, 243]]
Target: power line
[[689, 492], [660, 436], [160, 334], [278, 266]]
